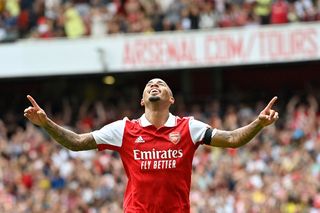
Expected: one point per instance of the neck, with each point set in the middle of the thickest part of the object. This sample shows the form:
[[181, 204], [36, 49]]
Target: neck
[[156, 117]]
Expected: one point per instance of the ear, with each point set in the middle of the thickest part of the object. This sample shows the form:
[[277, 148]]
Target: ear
[[172, 100], [142, 102]]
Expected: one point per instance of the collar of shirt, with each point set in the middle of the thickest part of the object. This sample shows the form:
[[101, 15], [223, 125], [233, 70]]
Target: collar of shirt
[[171, 122]]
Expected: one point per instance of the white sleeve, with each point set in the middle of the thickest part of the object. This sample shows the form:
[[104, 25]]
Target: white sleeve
[[110, 134], [197, 130]]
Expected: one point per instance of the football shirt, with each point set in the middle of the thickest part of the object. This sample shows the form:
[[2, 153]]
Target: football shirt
[[157, 161]]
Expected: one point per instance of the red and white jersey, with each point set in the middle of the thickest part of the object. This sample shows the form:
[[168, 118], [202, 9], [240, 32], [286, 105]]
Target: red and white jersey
[[158, 162]]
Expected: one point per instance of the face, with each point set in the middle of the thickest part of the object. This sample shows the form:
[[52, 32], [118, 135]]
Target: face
[[155, 91]]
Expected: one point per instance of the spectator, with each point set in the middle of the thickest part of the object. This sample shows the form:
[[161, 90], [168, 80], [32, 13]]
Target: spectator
[[305, 10], [263, 10], [73, 23], [194, 16], [99, 18], [185, 21], [279, 12], [208, 16]]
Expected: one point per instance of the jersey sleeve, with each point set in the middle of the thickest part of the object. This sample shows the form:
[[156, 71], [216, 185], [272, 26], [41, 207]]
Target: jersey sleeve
[[197, 130], [110, 136]]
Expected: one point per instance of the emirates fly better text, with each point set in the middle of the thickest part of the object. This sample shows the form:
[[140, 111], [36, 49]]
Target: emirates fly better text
[[157, 159]]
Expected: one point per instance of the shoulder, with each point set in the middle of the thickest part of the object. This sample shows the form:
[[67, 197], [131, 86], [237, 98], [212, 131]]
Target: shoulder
[[185, 119], [191, 122], [194, 123]]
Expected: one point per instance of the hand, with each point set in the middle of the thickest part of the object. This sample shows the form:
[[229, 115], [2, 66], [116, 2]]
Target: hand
[[35, 114], [268, 116]]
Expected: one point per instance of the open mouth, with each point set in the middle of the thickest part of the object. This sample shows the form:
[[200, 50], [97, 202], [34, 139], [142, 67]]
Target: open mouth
[[154, 91]]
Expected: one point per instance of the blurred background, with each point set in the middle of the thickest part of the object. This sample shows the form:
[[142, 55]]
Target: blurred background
[[86, 63]]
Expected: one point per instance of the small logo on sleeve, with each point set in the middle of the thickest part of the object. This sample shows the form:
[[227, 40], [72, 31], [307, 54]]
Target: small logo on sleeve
[[139, 140], [174, 137]]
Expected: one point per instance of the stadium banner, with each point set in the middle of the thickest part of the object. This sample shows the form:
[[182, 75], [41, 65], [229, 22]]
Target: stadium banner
[[162, 51]]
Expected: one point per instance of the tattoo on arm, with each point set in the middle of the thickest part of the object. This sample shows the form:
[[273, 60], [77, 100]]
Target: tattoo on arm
[[69, 139], [238, 137]]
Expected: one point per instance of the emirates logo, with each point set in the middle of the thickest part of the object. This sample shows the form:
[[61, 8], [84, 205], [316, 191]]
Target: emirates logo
[[174, 137]]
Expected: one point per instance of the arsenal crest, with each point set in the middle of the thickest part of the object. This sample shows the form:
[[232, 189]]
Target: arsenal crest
[[174, 137]]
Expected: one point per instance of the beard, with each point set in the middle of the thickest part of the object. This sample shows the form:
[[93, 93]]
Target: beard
[[154, 98]]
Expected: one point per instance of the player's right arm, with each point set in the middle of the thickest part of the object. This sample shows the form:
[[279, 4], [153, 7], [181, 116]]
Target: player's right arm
[[65, 137]]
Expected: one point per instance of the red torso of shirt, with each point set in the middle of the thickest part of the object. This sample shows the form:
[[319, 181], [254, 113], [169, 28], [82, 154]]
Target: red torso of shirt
[[158, 163]]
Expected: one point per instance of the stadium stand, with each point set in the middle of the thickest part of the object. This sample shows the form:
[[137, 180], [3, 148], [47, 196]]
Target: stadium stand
[[97, 18]]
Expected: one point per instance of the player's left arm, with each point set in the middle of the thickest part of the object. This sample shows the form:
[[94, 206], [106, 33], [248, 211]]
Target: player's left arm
[[243, 135]]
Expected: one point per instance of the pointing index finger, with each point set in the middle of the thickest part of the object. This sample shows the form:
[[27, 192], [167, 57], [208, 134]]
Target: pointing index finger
[[270, 104], [33, 102]]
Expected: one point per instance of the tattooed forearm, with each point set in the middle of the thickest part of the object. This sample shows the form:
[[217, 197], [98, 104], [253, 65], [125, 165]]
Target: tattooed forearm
[[69, 139], [238, 137]]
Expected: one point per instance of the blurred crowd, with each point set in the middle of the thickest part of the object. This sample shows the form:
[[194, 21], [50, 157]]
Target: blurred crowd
[[98, 18], [279, 171]]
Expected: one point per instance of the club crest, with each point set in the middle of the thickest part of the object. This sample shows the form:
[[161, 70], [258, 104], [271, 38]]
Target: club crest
[[174, 137]]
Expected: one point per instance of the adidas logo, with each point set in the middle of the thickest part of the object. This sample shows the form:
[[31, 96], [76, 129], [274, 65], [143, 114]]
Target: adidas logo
[[139, 140]]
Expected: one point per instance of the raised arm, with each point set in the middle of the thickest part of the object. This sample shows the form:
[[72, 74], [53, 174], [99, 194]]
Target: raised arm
[[243, 135], [65, 137]]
